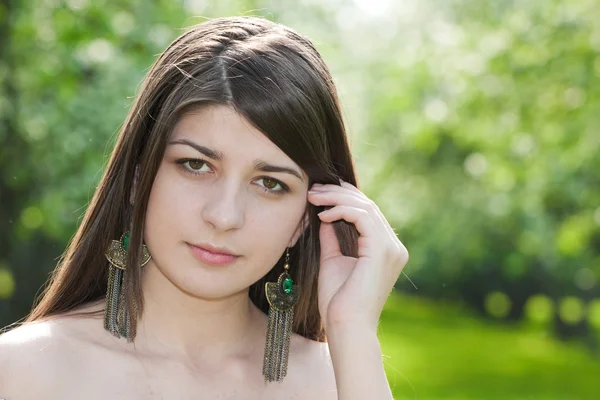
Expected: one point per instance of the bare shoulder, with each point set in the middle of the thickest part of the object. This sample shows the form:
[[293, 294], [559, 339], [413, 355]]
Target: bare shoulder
[[32, 349], [316, 368], [42, 349]]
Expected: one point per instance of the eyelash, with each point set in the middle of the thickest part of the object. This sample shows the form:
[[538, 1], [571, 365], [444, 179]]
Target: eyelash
[[284, 188]]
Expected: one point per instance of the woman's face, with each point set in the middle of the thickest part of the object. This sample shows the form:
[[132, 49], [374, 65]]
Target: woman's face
[[223, 201]]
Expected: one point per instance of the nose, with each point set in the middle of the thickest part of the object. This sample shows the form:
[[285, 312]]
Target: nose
[[223, 208]]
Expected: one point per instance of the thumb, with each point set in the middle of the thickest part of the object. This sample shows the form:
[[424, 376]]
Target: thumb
[[330, 247]]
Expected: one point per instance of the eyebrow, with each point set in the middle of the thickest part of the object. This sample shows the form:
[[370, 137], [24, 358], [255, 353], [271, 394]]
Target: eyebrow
[[259, 165]]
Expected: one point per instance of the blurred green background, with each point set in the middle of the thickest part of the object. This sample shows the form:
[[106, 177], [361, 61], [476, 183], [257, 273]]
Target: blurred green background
[[474, 126]]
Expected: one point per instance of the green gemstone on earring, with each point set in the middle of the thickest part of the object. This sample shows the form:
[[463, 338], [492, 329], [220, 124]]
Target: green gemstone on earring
[[125, 242], [287, 285]]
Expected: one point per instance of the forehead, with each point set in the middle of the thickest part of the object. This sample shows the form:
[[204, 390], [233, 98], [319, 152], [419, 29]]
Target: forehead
[[223, 126], [213, 120]]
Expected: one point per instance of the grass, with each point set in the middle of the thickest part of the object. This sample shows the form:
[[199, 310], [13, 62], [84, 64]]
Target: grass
[[439, 351]]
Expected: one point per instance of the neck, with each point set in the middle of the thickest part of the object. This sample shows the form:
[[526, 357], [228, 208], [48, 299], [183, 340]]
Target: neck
[[188, 327]]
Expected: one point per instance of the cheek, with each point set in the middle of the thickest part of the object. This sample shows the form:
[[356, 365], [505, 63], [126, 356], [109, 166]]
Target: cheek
[[167, 206], [275, 222], [271, 228]]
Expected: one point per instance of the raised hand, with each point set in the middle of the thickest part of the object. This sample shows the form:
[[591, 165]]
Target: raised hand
[[352, 291]]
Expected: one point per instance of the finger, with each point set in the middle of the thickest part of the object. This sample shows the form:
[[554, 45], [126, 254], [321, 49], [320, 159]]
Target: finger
[[345, 188], [339, 189], [337, 195], [330, 246], [350, 186], [357, 216]]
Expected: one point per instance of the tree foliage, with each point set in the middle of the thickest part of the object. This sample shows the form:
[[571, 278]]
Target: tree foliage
[[473, 125]]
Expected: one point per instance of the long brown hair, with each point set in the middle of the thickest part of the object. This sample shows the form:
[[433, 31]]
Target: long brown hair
[[277, 80]]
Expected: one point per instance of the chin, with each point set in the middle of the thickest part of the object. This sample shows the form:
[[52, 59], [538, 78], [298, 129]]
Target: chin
[[207, 284]]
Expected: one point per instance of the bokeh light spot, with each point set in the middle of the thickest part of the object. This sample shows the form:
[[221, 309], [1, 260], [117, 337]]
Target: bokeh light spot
[[476, 164], [594, 313], [597, 216], [32, 218], [571, 310], [7, 284], [497, 304], [585, 279], [539, 308]]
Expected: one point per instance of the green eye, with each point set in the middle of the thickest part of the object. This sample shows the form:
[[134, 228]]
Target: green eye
[[273, 183]]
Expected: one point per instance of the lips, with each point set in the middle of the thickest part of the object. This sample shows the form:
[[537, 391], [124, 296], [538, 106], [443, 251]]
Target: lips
[[212, 255], [214, 249]]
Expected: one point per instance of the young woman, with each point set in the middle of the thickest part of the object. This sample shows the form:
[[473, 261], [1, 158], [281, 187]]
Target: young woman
[[204, 267]]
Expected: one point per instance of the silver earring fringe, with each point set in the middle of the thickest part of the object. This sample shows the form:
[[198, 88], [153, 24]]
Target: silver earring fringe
[[116, 317], [282, 297]]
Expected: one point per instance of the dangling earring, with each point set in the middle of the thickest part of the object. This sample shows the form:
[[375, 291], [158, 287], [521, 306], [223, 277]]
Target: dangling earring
[[116, 317], [282, 297]]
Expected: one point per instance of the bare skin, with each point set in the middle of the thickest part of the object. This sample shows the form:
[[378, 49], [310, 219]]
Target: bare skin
[[199, 336], [73, 357]]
